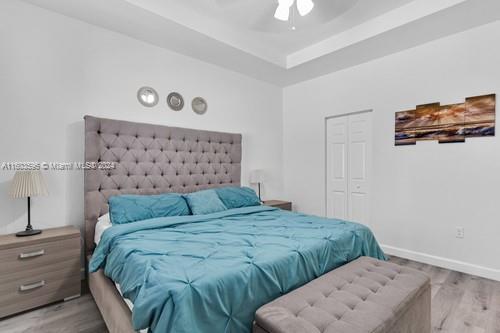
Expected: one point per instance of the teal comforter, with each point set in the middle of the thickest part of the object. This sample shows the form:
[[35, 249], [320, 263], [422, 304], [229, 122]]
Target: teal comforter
[[209, 273]]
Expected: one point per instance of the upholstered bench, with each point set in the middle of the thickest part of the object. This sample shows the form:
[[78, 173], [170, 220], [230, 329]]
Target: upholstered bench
[[363, 296]]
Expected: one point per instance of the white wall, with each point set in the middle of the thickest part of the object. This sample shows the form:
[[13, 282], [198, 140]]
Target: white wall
[[54, 70], [419, 193]]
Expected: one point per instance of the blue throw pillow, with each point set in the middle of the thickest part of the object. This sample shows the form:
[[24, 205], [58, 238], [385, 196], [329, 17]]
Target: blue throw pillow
[[204, 202], [131, 208], [237, 197]]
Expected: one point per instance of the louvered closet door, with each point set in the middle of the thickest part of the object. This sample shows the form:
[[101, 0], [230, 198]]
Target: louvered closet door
[[348, 165]]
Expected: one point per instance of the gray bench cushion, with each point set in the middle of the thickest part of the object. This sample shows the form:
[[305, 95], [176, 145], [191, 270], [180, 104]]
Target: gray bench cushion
[[366, 295]]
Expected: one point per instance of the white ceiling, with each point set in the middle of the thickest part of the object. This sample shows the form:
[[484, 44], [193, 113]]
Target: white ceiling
[[249, 25], [243, 36]]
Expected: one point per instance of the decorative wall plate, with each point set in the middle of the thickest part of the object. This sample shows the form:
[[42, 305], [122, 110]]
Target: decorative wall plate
[[199, 105], [175, 101], [147, 96]]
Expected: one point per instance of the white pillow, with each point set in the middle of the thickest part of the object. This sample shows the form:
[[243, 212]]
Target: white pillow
[[103, 223]]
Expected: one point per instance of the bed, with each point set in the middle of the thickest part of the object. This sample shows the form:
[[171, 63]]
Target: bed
[[197, 273]]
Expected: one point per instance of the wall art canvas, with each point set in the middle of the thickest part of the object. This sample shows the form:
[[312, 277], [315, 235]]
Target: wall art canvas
[[480, 116], [427, 122], [405, 128], [451, 123], [447, 123]]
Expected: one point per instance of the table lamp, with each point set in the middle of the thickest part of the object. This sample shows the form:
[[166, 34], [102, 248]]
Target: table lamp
[[256, 177], [27, 184]]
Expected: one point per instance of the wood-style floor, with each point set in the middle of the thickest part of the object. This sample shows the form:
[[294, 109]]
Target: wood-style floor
[[461, 303]]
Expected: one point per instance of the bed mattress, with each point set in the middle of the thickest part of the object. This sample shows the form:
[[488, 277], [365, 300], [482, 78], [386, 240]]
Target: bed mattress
[[127, 301]]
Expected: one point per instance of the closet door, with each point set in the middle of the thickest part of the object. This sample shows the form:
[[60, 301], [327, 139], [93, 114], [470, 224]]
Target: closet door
[[337, 181], [359, 163], [348, 164]]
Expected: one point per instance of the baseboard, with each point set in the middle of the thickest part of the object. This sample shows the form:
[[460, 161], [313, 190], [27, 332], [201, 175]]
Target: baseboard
[[455, 265]]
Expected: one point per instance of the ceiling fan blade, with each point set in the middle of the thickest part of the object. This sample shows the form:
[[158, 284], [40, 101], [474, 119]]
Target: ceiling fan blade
[[282, 13]]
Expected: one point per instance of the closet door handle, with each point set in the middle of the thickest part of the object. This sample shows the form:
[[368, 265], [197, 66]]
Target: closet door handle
[[25, 287], [32, 254]]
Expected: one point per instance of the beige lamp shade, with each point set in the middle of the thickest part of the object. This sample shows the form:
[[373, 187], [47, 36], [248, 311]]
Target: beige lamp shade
[[28, 184], [256, 176]]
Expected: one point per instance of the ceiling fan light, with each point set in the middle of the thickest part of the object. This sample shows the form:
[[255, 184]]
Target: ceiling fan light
[[282, 13], [305, 7]]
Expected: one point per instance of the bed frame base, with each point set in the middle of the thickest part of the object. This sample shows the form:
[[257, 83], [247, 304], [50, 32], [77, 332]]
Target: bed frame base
[[114, 310]]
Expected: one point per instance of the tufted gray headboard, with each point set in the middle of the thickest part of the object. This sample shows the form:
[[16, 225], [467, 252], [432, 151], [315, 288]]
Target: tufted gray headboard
[[151, 159]]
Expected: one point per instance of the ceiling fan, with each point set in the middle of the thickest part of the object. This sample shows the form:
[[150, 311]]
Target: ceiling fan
[[283, 11]]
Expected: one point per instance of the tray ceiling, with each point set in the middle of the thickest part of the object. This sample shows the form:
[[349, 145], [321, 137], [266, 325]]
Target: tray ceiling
[[243, 36]]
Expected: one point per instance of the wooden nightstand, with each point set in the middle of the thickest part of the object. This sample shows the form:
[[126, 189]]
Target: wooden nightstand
[[39, 270], [286, 205]]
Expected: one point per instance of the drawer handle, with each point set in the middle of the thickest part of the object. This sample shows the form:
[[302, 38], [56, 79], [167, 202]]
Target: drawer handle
[[32, 286], [32, 254]]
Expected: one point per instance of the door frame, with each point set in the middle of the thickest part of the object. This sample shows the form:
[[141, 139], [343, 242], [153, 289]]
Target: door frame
[[325, 140]]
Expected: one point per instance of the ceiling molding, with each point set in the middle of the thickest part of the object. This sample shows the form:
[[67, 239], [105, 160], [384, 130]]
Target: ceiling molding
[[394, 19]]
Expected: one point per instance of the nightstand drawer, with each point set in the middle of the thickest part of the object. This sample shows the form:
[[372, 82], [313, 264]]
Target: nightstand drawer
[[28, 258], [39, 289], [71, 265]]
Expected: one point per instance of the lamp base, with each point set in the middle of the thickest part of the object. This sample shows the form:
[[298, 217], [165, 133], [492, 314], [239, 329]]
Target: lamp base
[[28, 233]]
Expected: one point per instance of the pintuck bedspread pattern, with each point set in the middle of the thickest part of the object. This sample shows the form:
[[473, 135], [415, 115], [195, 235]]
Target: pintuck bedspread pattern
[[210, 273]]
